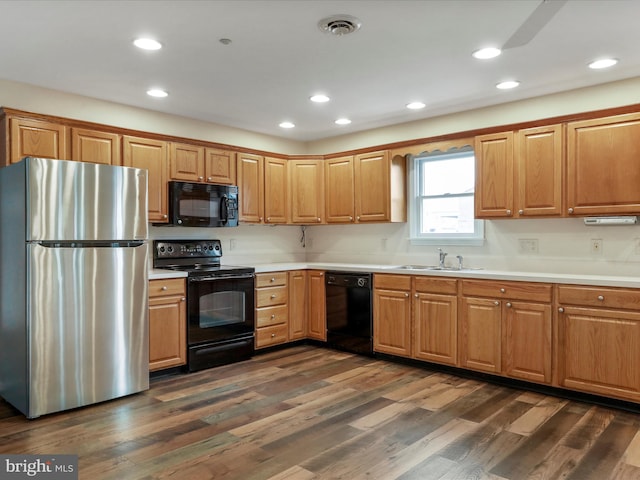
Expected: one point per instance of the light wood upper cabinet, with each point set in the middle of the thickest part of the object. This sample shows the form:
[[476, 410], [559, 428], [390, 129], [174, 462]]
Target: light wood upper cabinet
[[251, 187], [317, 320], [37, 138], [494, 175], [603, 167], [538, 171], [152, 155], [519, 174], [306, 191], [220, 166], [186, 162], [93, 146], [372, 187], [340, 193], [275, 191]]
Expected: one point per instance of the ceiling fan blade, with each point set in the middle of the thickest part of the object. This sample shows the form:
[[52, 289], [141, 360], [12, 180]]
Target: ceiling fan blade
[[534, 23]]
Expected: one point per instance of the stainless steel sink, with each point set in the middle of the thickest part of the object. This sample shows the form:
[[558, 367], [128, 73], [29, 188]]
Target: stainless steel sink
[[435, 268]]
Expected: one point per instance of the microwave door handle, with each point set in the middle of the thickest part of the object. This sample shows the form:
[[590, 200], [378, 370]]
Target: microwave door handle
[[224, 209]]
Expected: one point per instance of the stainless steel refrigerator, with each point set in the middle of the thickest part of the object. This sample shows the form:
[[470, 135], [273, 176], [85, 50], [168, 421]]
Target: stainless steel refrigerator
[[73, 284]]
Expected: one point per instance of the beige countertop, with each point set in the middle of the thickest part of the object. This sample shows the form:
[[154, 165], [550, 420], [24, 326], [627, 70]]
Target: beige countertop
[[486, 274]]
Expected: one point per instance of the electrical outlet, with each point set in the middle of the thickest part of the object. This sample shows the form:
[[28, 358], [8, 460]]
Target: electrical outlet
[[528, 245], [232, 244], [596, 246]]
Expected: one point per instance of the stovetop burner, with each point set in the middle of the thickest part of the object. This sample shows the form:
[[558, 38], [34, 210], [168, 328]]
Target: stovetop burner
[[196, 257]]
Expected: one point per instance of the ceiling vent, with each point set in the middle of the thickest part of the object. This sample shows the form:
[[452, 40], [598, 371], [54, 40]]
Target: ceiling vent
[[339, 25]]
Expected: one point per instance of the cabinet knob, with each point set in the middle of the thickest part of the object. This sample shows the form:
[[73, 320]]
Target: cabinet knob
[[502, 290], [260, 218], [200, 178], [358, 218], [600, 298], [273, 296], [318, 219], [416, 295], [561, 310], [509, 212], [496, 303], [273, 335], [183, 299], [273, 315], [273, 279], [406, 295], [165, 216], [508, 304], [322, 274], [520, 212], [209, 179], [570, 210], [351, 219], [164, 288], [268, 219]]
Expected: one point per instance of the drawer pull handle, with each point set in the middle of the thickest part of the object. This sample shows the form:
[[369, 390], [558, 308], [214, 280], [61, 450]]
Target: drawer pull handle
[[164, 288], [273, 296], [273, 335], [561, 310], [502, 290], [600, 298], [273, 315], [273, 279]]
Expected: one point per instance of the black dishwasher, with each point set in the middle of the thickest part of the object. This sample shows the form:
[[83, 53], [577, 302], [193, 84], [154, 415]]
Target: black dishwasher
[[349, 311]]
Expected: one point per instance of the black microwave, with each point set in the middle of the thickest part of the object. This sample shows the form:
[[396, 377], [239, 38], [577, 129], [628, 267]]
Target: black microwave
[[203, 205]]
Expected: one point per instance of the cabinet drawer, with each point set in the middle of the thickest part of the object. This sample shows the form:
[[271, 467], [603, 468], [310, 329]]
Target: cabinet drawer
[[392, 282], [435, 285], [271, 279], [268, 336], [599, 297], [268, 297], [535, 292], [164, 287], [268, 316]]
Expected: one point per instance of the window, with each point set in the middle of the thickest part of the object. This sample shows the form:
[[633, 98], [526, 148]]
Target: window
[[441, 210]]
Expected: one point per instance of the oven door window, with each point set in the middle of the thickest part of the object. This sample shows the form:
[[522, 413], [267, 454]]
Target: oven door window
[[221, 308]]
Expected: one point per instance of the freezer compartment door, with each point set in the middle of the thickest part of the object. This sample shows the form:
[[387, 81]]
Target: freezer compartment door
[[87, 312], [75, 201]]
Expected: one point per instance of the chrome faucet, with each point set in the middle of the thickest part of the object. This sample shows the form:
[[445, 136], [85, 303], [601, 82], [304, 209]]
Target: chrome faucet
[[459, 257], [442, 255]]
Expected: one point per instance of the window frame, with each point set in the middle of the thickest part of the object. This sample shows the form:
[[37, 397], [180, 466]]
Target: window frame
[[416, 237]]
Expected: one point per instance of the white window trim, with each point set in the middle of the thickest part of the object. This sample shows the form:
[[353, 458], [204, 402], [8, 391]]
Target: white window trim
[[415, 238]]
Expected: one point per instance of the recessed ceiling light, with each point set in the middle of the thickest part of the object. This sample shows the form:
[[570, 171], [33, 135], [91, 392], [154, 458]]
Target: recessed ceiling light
[[343, 121], [415, 105], [508, 84], [486, 53], [287, 125], [157, 92], [147, 44], [603, 63], [319, 98]]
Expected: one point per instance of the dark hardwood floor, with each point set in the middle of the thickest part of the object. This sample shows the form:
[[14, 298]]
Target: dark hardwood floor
[[312, 413]]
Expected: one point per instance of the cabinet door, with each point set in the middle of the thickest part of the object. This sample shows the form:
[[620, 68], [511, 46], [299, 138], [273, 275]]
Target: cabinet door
[[35, 138], [167, 332], [306, 191], [339, 196], [317, 308], [436, 325], [250, 187], [539, 171], [93, 146], [297, 304], [598, 351], [152, 155], [275, 190], [186, 162], [603, 171], [220, 166], [479, 329], [372, 187], [392, 322], [527, 341], [494, 175]]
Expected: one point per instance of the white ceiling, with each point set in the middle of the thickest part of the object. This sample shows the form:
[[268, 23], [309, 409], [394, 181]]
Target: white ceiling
[[405, 51]]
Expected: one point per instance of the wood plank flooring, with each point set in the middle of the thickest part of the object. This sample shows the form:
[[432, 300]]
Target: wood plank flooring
[[313, 413]]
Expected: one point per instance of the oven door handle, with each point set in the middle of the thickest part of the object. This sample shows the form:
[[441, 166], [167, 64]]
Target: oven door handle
[[214, 278]]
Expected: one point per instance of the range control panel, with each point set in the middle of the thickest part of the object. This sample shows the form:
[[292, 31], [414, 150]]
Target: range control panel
[[165, 249]]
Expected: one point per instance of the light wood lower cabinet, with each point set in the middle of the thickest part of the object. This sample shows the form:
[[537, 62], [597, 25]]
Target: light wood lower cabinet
[[167, 324], [298, 311], [272, 311], [599, 340], [392, 314], [317, 320]]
